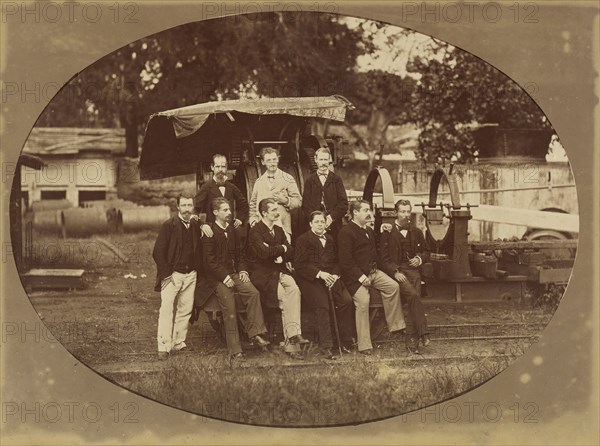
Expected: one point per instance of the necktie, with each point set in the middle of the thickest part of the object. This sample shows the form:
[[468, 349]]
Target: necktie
[[185, 223], [323, 178], [272, 232], [323, 240]]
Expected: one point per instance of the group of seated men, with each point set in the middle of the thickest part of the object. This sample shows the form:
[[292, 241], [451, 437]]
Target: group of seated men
[[329, 262]]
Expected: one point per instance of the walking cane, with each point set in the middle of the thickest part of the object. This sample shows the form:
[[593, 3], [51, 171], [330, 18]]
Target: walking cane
[[335, 324]]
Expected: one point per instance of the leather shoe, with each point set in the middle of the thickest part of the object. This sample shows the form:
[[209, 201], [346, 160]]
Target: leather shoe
[[368, 352], [328, 354], [260, 341], [163, 355], [295, 355], [425, 340], [298, 339]]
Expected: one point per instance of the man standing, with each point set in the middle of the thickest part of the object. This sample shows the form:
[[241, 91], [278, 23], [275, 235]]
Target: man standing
[[324, 191], [220, 186], [402, 250], [177, 255], [278, 185], [317, 274], [358, 262], [270, 252], [226, 272]]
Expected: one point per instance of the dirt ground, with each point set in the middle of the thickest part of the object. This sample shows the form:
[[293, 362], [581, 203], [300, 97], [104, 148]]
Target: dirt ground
[[110, 326]]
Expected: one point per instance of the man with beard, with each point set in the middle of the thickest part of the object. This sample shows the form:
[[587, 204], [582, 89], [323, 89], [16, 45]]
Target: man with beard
[[402, 251], [226, 272], [317, 274], [220, 186], [178, 257], [270, 253], [278, 185], [357, 253], [324, 191]]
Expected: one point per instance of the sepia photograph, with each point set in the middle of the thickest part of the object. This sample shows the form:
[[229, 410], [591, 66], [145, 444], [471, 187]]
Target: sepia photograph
[[292, 218]]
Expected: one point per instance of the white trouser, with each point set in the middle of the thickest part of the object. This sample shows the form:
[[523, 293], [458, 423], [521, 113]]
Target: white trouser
[[172, 328]]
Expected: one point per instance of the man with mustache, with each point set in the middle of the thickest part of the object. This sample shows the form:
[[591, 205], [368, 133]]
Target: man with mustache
[[270, 254], [226, 272], [357, 253], [178, 257], [402, 251], [220, 186], [325, 191]]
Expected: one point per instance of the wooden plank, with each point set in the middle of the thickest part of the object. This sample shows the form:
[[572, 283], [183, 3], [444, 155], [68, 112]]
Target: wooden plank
[[55, 272], [555, 275]]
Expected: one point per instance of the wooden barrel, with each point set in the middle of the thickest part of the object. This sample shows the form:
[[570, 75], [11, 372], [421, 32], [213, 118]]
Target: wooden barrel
[[48, 222], [83, 222], [50, 205], [144, 218]]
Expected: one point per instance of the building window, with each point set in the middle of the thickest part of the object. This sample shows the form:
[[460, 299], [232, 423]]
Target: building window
[[91, 195], [54, 194]]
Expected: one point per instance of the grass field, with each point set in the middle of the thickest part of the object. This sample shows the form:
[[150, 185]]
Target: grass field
[[111, 327]]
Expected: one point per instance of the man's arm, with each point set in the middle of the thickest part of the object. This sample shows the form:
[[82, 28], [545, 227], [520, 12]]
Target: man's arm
[[253, 211], [304, 262], [211, 263], [159, 253], [294, 197], [423, 250], [242, 207], [200, 199], [308, 204], [341, 204], [348, 265], [386, 262], [260, 250]]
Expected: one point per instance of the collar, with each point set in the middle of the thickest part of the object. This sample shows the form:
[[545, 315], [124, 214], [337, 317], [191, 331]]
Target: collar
[[223, 228], [182, 220], [319, 236], [276, 174], [400, 227], [361, 227], [323, 174], [217, 183], [270, 228]]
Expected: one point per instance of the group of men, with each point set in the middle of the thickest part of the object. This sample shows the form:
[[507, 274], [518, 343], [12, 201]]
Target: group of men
[[329, 263]]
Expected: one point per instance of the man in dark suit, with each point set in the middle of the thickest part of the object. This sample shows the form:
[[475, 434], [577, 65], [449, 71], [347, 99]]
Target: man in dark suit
[[216, 187], [357, 253], [178, 257], [316, 272], [269, 253], [324, 191], [226, 271], [402, 251]]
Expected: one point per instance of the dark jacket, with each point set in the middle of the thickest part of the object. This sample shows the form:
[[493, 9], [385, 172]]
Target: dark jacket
[[210, 190], [332, 195], [262, 251], [395, 250], [357, 254], [167, 248], [220, 259], [311, 257]]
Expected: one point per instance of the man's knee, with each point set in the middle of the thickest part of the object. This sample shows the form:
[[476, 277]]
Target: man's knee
[[361, 300]]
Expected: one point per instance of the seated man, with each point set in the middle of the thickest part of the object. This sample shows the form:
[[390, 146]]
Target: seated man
[[317, 273], [402, 250], [225, 272], [357, 253], [270, 254]]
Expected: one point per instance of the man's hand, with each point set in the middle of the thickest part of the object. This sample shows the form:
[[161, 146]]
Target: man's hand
[[414, 262], [229, 283], [237, 223], [328, 221], [244, 277], [194, 217], [386, 227], [281, 198], [366, 282], [329, 279], [206, 230], [253, 221], [400, 277]]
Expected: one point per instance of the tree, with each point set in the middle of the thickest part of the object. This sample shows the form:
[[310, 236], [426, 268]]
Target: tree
[[458, 91], [275, 54]]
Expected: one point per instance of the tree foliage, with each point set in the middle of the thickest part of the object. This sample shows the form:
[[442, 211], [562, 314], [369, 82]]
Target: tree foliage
[[458, 91]]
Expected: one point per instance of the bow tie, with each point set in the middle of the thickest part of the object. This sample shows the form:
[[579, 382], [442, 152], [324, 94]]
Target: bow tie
[[323, 174], [186, 223], [220, 184], [271, 177], [400, 228]]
